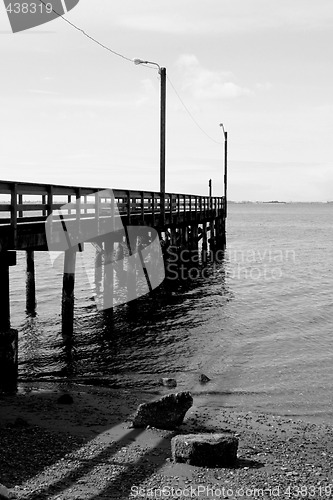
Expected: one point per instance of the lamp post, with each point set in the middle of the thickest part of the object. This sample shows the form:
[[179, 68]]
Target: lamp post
[[225, 133], [162, 72]]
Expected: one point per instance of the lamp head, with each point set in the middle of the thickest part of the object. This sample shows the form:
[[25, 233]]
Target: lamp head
[[138, 61], [141, 61], [224, 131]]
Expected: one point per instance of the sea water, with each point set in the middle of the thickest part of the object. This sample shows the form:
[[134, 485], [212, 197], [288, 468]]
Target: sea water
[[258, 322]]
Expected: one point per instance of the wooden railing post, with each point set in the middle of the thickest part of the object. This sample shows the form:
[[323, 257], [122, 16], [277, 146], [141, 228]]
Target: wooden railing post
[[44, 203], [142, 207], [78, 208], [13, 214], [153, 207], [49, 200], [128, 207], [20, 200], [97, 211]]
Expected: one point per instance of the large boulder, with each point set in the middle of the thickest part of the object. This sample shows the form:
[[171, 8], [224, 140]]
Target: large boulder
[[165, 413], [205, 450]]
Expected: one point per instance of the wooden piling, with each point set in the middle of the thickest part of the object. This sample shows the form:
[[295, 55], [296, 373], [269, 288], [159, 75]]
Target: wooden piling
[[204, 242], [220, 236], [108, 295], [98, 269], [195, 237], [131, 272], [8, 336], [4, 296], [174, 237], [30, 283], [67, 310], [8, 361], [185, 236], [7, 259], [212, 242], [119, 263]]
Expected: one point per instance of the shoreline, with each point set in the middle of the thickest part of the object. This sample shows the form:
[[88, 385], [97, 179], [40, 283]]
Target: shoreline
[[87, 450]]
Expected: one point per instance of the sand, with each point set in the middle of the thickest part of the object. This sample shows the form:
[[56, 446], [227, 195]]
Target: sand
[[87, 450]]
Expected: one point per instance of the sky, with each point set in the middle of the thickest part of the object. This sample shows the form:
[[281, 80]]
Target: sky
[[74, 113]]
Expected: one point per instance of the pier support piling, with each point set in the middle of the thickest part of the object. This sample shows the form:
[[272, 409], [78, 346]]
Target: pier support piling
[[108, 294], [8, 360], [98, 269], [131, 272], [30, 283], [119, 262], [195, 238], [8, 336], [4, 296], [204, 243], [7, 259], [212, 242], [68, 294]]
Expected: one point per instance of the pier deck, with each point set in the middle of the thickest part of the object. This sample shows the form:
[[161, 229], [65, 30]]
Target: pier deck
[[73, 216]]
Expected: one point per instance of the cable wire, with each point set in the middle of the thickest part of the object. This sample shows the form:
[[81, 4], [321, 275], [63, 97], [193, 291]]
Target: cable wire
[[114, 52], [190, 114], [89, 36]]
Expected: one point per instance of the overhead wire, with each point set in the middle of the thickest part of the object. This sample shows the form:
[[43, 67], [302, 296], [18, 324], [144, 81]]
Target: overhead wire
[[114, 52], [190, 114]]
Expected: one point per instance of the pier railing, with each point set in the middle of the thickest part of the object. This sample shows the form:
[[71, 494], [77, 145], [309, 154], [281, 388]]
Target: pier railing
[[24, 203]]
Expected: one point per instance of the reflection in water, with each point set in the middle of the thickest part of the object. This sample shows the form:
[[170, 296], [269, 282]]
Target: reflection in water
[[155, 334]]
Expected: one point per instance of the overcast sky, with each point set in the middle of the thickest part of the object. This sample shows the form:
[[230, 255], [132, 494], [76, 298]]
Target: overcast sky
[[73, 113]]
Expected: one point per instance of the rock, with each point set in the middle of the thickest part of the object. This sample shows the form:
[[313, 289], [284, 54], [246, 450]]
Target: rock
[[168, 382], [165, 413], [203, 379], [205, 450], [5, 494], [65, 399]]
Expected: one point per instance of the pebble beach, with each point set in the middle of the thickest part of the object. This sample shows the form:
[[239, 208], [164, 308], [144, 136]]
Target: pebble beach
[[88, 450]]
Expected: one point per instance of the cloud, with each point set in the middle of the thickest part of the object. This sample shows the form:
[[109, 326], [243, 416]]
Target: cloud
[[42, 92], [148, 93], [205, 84], [264, 86], [190, 18]]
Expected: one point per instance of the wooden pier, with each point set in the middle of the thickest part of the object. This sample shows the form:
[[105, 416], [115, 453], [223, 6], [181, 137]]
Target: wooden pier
[[27, 213]]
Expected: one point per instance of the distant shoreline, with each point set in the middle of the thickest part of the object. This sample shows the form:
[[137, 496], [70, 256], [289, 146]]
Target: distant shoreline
[[246, 202]]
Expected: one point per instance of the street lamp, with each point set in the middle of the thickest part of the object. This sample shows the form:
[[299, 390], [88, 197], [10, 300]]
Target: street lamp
[[162, 72], [225, 133]]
